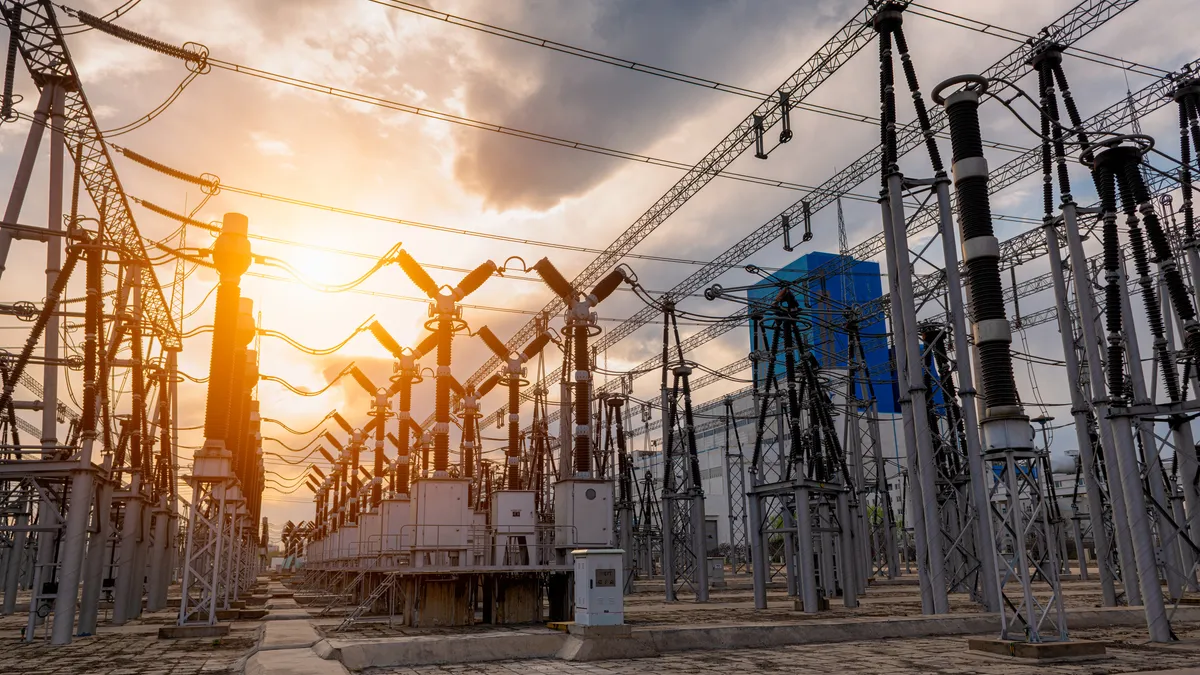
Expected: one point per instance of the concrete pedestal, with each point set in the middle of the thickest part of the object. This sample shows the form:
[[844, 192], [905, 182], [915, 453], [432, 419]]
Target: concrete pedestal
[[512, 599], [438, 602], [1037, 651]]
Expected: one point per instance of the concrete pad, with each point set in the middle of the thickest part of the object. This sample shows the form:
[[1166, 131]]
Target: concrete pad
[[251, 614], [291, 662], [193, 631], [603, 643], [285, 615], [288, 635], [440, 649], [281, 603], [1041, 652]]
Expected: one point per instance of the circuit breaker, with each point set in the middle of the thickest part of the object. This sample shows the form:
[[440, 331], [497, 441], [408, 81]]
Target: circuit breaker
[[599, 600]]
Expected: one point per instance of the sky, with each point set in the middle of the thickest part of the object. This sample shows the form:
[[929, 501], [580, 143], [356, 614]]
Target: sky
[[268, 137]]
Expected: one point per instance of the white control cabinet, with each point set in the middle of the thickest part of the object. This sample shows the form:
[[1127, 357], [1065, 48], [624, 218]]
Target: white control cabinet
[[583, 513], [514, 528], [599, 600]]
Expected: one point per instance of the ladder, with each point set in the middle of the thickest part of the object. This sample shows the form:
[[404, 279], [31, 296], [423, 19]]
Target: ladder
[[388, 582], [348, 588]]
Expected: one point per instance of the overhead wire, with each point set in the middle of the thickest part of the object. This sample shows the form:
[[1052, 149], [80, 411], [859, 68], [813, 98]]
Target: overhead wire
[[299, 432], [304, 392]]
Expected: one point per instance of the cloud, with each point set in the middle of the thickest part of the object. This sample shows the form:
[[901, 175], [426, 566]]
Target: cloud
[[599, 104]]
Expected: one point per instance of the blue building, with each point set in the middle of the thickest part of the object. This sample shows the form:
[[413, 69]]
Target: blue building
[[826, 300]]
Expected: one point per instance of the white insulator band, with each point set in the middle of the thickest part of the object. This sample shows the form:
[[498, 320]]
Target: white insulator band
[[969, 167], [980, 247], [992, 330]]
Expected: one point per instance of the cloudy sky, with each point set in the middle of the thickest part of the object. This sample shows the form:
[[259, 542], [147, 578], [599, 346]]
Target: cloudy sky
[[269, 137]]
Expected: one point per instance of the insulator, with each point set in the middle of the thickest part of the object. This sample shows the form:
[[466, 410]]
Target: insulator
[[139, 39], [384, 338], [488, 384], [785, 221], [513, 479], [475, 279], [533, 348], [607, 285], [555, 280], [209, 183], [581, 403], [363, 381], [427, 345], [10, 71], [983, 267], [417, 274], [494, 343], [785, 117], [1185, 174], [341, 422], [759, 150], [325, 453], [910, 75], [806, 207]]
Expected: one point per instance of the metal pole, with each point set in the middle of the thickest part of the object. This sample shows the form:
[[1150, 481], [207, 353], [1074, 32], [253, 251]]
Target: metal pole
[[16, 198], [989, 581], [932, 586], [1153, 467], [97, 549], [54, 248], [1079, 391], [804, 537], [1084, 303]]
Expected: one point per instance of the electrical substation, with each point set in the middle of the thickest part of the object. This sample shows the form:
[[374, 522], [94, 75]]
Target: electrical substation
[[961, 402]]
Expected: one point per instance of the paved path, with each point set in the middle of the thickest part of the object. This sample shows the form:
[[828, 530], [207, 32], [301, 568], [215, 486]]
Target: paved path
[[932, 655]]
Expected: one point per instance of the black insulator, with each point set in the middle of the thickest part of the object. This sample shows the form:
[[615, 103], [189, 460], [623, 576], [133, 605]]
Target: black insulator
[[888, 83], [468, 448], [416, 273], [10, 71], [137, 404], [1193, 107], [225, 316], [1056, 131], [427, 345], [494, 343], [554, 279], [995, 363], [476, 277], [538, 344], [514, 434], [384, 338], [341, 422], [974, 207], [1185, 174], [910, 74], [1060, 77], [441, 439], [965, 135], [582, 402], [1047, 181], [607, 285], [1116, 372], [92, 317]]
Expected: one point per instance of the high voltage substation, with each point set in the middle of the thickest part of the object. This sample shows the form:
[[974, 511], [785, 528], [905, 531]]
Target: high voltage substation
[[881, 437]]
